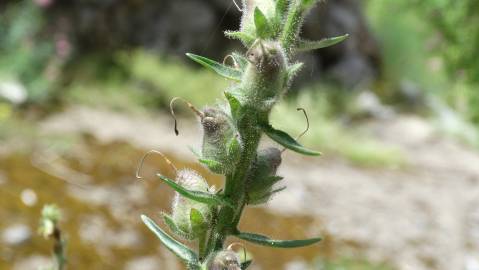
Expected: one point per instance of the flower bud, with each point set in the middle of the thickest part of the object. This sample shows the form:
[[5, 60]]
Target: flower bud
[[184, 209], [262, 175], [224, 260], [264, 79], [217, 140]]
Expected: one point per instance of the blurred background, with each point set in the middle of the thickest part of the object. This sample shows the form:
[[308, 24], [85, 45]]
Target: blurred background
[[84, 89]]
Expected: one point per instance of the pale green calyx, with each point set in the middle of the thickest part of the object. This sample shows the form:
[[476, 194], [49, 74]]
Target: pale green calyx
[[190, 217]]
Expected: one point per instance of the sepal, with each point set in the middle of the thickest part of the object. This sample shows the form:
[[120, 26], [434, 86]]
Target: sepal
[[199, 196], [220, 69], [245, 38], [170, 223], [263, 27], [235, 105], [308, 45]]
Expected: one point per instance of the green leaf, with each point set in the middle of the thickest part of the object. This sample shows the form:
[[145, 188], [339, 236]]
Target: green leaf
[[180, 250], [247, 39], [234, 148], [307, 45], [294, 69], [225, 71], [308, 3], [287, 141], [246, 264], [263, 28], [235, 105], [266, 241], [212, 164], [172, 226], [197, 221], [281, 9], [203, 197], [273, 179], [240, 60]]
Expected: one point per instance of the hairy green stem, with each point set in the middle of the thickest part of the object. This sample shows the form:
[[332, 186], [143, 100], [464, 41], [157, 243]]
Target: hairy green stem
[[235, 189]]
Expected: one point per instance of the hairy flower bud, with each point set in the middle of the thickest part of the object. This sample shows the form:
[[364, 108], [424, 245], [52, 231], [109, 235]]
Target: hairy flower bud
[[219, 140], [264, 79], [262, 175], [224, 260], [184, 209]]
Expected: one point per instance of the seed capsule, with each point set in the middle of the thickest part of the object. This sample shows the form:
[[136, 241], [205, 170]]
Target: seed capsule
[[183, 208], [263, 81], [218, 140], [224, 260], [262, 175]]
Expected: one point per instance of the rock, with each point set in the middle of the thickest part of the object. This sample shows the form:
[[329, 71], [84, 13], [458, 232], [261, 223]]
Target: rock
[[29, 197], [296, 265], [13, 91], [33, 262], [16, 234], [3, 178], [144, 263], [368, 104]]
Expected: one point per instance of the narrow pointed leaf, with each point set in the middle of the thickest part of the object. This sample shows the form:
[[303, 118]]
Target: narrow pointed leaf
[[225, 71], [246, 264], [281, 9], [180, 250], [263, 28], [307, 45], [235, 105], [294, 69], [266, 241], [308, 3], [234, 148], [211, 164], [172, 226], [247, 39], [287, 141], [203, 197], [274, 179]]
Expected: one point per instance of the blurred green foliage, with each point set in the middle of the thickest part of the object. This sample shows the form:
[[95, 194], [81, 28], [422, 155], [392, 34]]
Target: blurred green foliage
[[433, 44], [27, 57]]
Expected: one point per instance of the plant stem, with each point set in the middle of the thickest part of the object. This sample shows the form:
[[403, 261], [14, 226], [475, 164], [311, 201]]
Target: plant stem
[[59, 249], [235, 189]]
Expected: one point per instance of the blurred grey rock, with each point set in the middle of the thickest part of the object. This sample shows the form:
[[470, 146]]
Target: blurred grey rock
[[355, 61], [176, 27], [32, 262], [16, 234], [368, 104], [143, 263], [13, 92], [3, 178], [296, 265]]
